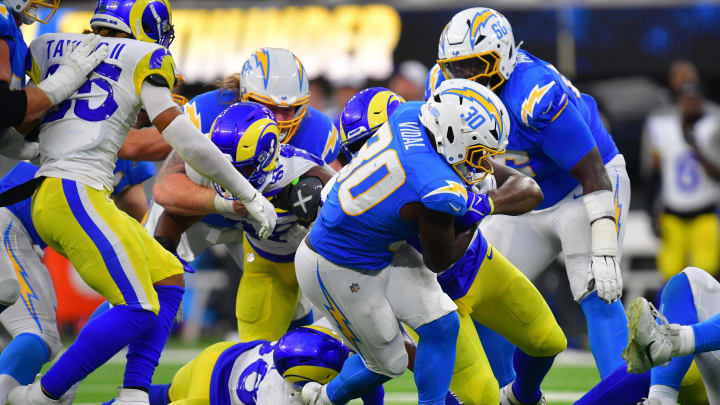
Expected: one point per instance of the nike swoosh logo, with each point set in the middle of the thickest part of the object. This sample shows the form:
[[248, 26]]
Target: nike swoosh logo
[[490, 253], [576, 196], [457, 209]]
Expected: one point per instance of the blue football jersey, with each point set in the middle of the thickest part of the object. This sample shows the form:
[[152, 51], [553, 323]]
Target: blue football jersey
[[316, 133], [129, 173], [536, 95], [360, 224], [10, 32], [21, 173]]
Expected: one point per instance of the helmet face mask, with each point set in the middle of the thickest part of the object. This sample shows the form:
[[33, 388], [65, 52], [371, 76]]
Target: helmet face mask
[[247, 134], [469, 124], [28, 9], [276, 78], [478, 44]]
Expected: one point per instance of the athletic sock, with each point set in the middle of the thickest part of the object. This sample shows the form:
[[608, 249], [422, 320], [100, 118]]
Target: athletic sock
[[98, 341], [618, 388], [499, 352], [353, 381], [666, 395], [707, 335], [99, 310], [304, 321], [159, 394], [607, 331], [23, 358], [435, 358], [144, 351], [376, 397], [530, 373], [678, 306]]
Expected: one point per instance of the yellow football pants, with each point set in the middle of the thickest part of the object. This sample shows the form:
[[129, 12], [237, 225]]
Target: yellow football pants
[[692, 389], [689, 242], [267, 297], [191, 384], [110, 250], [504, 300]]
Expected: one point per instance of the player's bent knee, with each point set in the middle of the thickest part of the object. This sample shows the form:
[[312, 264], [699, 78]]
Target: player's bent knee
[[9, 291], [473, 383], [549, 344], [392, 366]]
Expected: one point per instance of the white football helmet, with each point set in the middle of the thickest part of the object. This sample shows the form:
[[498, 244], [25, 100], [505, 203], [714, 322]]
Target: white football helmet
[[469, 123], [28, 9], [276, 78], [478, 44]]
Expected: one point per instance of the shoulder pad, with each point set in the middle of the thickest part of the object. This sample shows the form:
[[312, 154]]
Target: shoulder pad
[[8, 28], [542, 103], [446, 196], [158, 62]]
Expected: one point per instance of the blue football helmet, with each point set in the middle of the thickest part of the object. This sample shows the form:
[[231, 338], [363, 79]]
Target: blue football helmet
[[364, 114], [248, 133], [144, 20], [309, 353]]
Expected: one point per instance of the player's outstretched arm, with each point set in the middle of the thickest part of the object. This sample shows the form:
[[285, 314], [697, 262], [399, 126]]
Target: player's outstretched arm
[[32, 103], [516, 194], [441, 245], [144, 144], [202, 155]]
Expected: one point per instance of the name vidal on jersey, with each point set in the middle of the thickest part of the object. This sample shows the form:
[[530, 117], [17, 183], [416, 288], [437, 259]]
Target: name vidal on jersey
[[411, 135]]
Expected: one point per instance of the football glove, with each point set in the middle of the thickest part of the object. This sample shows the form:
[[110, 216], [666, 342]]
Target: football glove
[[479, 206]]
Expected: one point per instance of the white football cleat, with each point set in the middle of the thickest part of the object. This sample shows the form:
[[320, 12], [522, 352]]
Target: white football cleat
[[649, 344], [314, 394], [650, 401], [507, 397], [33, 395], [129, 396]]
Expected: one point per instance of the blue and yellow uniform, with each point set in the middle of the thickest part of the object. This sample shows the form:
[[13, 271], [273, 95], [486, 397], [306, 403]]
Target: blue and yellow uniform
[[128, 172], [316, 134], [398, 165], [10, 32], [536, 95]]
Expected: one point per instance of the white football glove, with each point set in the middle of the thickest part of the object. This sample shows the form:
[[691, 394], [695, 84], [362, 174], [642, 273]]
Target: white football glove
[[74, 69], [295, 234], [604, 276], [14, 146], [262, 211]]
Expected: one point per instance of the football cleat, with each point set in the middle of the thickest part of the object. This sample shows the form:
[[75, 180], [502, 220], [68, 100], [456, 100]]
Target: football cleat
[[507, 397], [130, 396], [314, 394], [650, 401], [33, 395], [649, 343]]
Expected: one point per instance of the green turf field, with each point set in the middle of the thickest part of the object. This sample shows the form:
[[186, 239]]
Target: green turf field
[[567, 381]]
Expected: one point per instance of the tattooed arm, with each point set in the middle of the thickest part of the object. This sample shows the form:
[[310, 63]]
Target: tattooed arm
[[181, 196]]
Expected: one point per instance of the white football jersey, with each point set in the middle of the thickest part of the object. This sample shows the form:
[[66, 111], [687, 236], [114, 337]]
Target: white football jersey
[[80, 138], [255, 381], [686, 186]]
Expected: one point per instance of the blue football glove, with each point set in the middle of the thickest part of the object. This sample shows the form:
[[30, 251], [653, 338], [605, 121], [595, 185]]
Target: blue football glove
[[186, 265], [478, 207]]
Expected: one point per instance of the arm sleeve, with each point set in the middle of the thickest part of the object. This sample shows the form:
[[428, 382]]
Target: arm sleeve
[[14, 106], [194, 148], [567, 139]]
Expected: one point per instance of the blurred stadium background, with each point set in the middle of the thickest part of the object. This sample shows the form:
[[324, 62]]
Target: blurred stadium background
[[619, 51]]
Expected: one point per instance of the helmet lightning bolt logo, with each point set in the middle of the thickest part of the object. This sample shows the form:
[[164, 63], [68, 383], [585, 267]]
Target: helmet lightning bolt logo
[[262, 60], [27, 294], [479, 21], [340, 319], [528, 106], [488, 105]]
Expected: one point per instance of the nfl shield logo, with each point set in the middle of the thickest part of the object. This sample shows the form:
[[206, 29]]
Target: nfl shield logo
[[354, 287]]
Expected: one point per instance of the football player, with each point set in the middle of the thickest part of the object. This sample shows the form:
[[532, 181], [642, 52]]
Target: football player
[[556, 137], [275, 78], [24, 105], [30, 323], [687, 327], [72, 213], [292, 178], [260, 372], [407, 179], [473, 382]]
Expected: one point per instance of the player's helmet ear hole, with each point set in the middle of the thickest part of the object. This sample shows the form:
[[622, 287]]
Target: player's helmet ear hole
[[450, 135], [461, 100], [437, 98]]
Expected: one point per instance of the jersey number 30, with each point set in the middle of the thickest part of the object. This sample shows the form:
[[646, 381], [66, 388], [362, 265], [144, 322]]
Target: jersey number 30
[[372, 176]]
